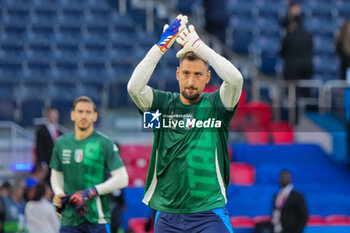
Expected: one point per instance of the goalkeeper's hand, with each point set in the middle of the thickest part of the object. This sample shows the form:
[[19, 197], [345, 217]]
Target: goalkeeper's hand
[[190, 42], [170, 32], [63, 200], [79, 199]]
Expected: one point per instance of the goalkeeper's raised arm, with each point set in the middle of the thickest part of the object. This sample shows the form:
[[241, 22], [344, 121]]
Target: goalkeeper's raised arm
[[231, 88], [137, 86]]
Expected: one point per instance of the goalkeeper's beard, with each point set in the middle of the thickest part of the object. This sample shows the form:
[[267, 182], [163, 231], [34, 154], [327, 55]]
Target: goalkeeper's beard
[[81, 128], [190, 97]]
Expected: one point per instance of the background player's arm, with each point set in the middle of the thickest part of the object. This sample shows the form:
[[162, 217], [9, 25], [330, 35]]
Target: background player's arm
[[57, 184], [231, 88]]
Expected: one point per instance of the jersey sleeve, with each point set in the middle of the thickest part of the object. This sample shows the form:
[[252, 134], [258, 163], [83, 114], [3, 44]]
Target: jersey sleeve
[[112, 157], [55, 162]]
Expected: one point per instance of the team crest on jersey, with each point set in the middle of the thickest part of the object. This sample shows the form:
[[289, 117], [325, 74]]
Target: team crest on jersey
[[78, 156]]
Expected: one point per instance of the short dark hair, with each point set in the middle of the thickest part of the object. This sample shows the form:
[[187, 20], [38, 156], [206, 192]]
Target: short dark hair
[[192, 57], [293, 3], [39, 191], [6, 185], [84, 99]]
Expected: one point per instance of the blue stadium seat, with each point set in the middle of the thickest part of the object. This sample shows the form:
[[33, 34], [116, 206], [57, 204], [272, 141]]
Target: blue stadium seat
[[325, 65], [165, 73], [94, 22], [32, 78], [118, 74], [61, 77], [145, 39], [265, 54], [66, 40], [71, 6], [97, 6], [7, 97], [267, 26], [270, 9], [186, 7], [241, 40], [118, 54], [63, 56], [41, 22], [320, 9], [9, 60], [62, 99], [35, 59], [120, 39], [269, 62], [170, 58], [92, 57], [323, 45], [68, 22], [18, 6], [266, 43], [43, 6], [7, 107], [242, 8], [238, 22], [8, 78], [38, 40], [124, 23], [94, 39], [32, 105], [321, 25], [10, 40], [119, 96], [13, 23], [90, 77]]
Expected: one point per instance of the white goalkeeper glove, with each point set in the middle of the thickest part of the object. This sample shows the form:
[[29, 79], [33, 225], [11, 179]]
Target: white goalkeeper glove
[[170, 32], [191, 42]]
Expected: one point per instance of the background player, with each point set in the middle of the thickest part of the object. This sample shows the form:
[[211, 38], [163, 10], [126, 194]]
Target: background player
[[189, 167], [80, 165]]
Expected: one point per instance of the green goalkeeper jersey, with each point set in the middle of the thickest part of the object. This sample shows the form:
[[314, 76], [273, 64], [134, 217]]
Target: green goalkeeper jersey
[[189, 169], [85, 163]]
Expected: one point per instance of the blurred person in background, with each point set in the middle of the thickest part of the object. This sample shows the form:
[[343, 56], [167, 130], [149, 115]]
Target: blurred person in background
[[297, 52], [289, 208], [14, 209], [4, 192], [47, 135], [293, 10], [37, 175], [118, 205], [342, 48], [40, 213]]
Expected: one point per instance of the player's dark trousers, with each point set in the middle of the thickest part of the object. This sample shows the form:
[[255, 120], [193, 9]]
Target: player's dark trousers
[[87, 227], [211, 221]]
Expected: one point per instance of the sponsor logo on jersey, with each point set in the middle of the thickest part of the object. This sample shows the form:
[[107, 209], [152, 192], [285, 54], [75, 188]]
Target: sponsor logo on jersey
[[66, 154], [151, 120], [78, 156]]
